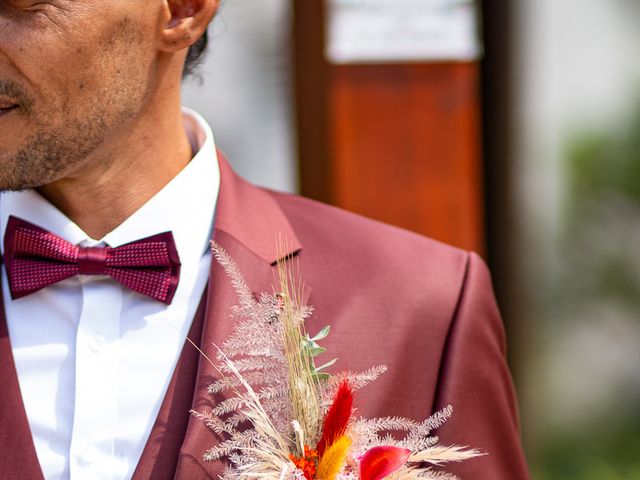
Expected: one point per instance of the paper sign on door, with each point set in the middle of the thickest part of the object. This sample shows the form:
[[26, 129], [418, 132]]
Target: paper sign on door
[[372, 31]]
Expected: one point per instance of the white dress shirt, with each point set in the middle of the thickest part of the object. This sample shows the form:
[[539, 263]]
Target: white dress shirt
[[93, 358]]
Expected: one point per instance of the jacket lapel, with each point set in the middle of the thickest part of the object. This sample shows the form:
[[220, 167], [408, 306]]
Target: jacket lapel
[[248, 225], [161, 452], [18, 458]]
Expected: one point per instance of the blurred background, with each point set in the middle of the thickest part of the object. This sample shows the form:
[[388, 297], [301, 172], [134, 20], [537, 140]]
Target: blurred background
[[508, 127]]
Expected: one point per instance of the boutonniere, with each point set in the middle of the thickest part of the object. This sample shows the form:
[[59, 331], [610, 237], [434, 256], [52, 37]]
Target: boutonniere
[[286, 418]]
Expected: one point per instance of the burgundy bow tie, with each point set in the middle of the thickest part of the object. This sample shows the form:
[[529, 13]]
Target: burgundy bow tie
[[36, 258]]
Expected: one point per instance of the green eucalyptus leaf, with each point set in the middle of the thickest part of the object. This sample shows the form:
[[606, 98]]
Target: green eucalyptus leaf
[[315, 351], [322, 334], [326, 365], [321, 376]]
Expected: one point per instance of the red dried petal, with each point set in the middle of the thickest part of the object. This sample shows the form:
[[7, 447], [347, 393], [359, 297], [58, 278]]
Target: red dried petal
[[379, 462], [337, 417]]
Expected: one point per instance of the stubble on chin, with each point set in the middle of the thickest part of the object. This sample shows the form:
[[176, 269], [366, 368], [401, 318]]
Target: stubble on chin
[[51, 153], [68, 130]]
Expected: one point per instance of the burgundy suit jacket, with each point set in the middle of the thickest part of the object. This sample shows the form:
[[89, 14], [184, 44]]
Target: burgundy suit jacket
[[423, 309]]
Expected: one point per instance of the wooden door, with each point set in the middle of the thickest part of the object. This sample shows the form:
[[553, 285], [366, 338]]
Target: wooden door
[[396, 142]]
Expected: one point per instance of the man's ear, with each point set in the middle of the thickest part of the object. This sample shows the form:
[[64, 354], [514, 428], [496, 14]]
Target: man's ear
[[186, 22]]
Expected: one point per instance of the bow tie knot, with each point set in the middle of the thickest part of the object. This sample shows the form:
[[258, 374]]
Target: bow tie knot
[[92, 260], [36, 258]]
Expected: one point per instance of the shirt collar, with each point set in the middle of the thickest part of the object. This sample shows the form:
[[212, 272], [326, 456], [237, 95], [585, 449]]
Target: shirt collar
[[185, 206]]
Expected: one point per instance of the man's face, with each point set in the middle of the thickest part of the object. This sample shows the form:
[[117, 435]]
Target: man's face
[[73, 75]]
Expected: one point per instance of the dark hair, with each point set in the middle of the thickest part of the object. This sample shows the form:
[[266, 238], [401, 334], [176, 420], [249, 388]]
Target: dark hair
[[195, 56]]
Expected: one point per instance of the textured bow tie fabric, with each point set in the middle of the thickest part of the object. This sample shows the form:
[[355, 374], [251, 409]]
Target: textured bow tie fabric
[[36, 258]]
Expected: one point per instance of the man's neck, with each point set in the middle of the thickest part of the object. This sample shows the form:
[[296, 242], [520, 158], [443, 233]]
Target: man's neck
[[123, 175]]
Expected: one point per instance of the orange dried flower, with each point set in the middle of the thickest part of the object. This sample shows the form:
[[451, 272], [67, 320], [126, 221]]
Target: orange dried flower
[[307, 464]]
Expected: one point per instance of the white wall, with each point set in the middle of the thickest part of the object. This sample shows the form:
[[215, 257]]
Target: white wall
[[577, 67], [246, 94], [577, 70]]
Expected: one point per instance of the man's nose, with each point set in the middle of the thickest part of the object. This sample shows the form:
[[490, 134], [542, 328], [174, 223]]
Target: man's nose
[[5, 27], [8, 22]]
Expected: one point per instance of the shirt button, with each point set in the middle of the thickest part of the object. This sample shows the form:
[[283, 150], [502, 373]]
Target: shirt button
[[97, 343], [88, 456]]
